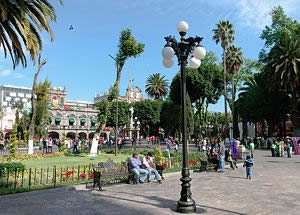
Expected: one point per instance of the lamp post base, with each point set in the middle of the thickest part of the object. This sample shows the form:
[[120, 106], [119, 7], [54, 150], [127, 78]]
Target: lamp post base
[[186, 207]]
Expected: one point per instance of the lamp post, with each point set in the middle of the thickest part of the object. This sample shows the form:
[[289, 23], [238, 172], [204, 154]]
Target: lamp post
[[182, 50], [136, 123]]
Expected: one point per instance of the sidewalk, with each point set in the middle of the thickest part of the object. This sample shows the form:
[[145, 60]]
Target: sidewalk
[[274, 189]]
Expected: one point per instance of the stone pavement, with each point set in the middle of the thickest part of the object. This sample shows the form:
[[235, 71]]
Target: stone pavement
[[274, 189]]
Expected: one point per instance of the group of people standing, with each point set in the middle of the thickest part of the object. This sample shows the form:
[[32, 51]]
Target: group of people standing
[[47, 144], [280, 146]]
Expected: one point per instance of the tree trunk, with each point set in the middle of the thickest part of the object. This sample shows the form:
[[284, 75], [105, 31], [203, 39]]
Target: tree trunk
[[33, 106], [245, 128], [200, 104], [225, 94], [205, 114], [119, 71], [235, 117], [270, 128], [295, 115]]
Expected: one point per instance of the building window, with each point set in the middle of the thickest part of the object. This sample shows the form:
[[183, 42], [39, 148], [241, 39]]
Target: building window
[[71, 121], [57, 121], [93, 122], [82, 122]]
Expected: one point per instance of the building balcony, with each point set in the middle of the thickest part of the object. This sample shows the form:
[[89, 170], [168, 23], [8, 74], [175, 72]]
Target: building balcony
[[69, 127]]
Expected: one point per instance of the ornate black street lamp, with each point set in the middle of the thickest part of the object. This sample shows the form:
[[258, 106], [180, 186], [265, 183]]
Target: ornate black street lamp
[[136, 123], [182, 50]]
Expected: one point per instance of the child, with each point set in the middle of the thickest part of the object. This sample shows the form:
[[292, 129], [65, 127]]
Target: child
[[249, 165]]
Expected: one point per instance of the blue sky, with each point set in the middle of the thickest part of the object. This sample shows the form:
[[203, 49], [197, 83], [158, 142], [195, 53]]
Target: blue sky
[[79, 60]]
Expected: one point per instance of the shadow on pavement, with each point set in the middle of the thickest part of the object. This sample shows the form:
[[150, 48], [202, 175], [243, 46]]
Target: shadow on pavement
[[169, 204], [223, 210], [240, 177], [275, 162]]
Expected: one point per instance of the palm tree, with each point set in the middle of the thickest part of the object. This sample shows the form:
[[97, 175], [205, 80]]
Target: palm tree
[[282, 70], [20, 24], [224, 33], [234, 61], [157, 86]]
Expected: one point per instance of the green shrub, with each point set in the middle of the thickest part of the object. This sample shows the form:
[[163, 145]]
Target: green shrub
[[157, 154], [108, 151], [12, 165], [13, 143]]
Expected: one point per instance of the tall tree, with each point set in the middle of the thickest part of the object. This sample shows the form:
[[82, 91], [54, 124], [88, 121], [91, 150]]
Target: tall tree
[[157, 86], [128, 47], [224, 33], [257, 103], [42, 117], [234, 62], [148, 113], [20, 24], [283, 70], [281, 26], [204, 86], [33, 106]]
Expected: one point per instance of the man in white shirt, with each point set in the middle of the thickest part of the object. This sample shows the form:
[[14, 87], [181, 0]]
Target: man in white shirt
[[149, 165]]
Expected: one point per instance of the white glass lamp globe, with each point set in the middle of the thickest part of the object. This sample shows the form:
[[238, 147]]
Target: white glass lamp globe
[[168, 52], [168, 63], [182, 26], [195, 63], [199, 52]]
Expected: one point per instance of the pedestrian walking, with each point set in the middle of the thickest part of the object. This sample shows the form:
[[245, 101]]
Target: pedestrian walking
[[251, 148], [45, 147], [289, 149], [249, 166], [273, 146], [221, 149], [50, 144]]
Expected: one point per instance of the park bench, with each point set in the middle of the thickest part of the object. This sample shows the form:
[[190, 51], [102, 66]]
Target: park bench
[[110, 172]]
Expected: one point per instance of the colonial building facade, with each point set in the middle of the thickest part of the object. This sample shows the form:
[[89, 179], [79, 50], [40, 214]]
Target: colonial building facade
[[71, 119]]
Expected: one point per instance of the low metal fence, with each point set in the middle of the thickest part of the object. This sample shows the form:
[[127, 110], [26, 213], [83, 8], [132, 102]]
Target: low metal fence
[[16, 180]]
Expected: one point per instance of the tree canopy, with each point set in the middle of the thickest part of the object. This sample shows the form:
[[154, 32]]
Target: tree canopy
[[20, 24]]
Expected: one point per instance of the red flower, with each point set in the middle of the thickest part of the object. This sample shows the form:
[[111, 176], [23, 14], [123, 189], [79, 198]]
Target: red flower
[[91, 176], [164, 164], [82, 175], [192, 163], [68, 173]]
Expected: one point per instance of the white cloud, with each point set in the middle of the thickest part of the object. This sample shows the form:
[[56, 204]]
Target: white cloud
[[5, 73], [255, 13], [18, 75]]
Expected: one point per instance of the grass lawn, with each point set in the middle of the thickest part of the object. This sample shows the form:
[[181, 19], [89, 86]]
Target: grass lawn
[[71, 160]]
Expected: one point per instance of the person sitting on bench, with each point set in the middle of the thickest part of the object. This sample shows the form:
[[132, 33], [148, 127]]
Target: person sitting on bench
[[212, 155], [150, 166], [139, 174]]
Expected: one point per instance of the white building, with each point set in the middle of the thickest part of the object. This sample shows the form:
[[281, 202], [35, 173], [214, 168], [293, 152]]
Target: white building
[[10, 94], [133, 94]]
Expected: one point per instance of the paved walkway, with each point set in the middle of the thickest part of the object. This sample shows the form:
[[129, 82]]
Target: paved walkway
[[274, 189]]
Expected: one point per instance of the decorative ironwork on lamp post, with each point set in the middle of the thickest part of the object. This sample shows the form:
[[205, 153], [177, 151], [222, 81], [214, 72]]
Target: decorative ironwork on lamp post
[[136, 124], [183, 49]]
